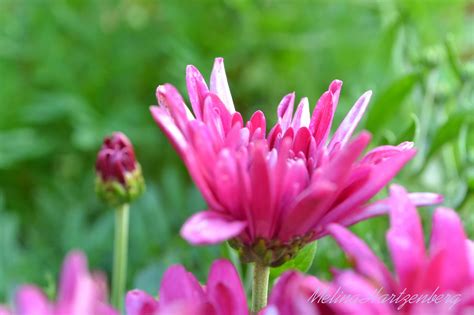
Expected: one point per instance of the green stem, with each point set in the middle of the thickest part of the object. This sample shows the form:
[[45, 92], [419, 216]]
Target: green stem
[[261, 274], [120, 256]]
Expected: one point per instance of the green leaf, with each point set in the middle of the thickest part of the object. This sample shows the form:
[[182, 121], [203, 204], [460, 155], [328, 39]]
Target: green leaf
[[450, 130], [302, 262], [389, 102], [412, 132]]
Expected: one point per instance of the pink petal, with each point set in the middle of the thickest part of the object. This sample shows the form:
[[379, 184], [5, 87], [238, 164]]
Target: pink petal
[[73, 271], [213, 122], [257, 121], [302, 116], [366, 300], [220, 86], [4, 311], [227, 183], [169, 98], [366, 263], [188, 308], [30, 300], [349, 124], [237, 120], [302, 140], [291, 295], [140, 303], [448, 237], [179, 285], [335, 89], [381, 153], [380, 175], [338, 169], [169, 128], [273, 136], [405, 237], [200, 160], [470, 256], [306, 210], [210, 227], [225, 289], [381, 207], [197, 89], [285, 110], [219, 108], [421, 199], [321, 120], [262, 191]]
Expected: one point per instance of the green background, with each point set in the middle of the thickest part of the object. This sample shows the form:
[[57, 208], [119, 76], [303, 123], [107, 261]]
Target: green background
[[72, 72]]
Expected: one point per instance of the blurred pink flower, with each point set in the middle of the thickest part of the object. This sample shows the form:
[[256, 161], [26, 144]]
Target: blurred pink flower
[[280, 190], [438, 281], [79, 293], [181, 294]]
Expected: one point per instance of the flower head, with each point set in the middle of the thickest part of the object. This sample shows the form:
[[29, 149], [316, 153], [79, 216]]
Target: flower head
[[119, 178], [79, 293], [435, 281], [446, 268], [181, 294], [271, 193]]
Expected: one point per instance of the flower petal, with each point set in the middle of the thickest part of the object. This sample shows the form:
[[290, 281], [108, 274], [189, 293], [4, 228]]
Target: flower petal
[[225, 289], [220, 86], [169, 98], [366, 263], [302, 116], [448, 237], [140, 303], [257, 121], [349, 124], [321, 120], [380, 175], [405, 237], [30, 300], [169, 128], [285, 110], [210, 227], [179, 285], [73, 271], [262, 191], [382, 206], [197, 89]]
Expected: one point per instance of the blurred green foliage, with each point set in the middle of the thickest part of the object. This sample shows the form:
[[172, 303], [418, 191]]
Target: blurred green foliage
[[73, 71]]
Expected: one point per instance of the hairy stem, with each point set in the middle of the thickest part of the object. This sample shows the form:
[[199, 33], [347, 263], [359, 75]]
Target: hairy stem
[[261, 274]]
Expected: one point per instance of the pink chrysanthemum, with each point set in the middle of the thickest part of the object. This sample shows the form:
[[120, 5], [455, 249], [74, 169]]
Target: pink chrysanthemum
[[181, 294], [438, 281], [273, 192], [79, 293]]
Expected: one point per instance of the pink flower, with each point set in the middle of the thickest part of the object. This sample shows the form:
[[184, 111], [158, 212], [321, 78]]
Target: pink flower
[[181, 294], [447, 268], [280, 190], [79, 293], [438, 281]]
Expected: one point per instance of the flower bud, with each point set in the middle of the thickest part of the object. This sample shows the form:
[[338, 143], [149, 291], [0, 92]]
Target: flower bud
[[119, 177]]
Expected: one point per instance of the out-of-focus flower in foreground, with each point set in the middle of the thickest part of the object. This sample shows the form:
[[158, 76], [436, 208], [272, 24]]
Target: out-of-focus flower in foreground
[[438, 281], [271, 193], [80, 293], [181, 294], [119, 178]]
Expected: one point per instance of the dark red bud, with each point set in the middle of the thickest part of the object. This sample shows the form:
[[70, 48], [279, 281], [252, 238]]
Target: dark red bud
[[115, 158]]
